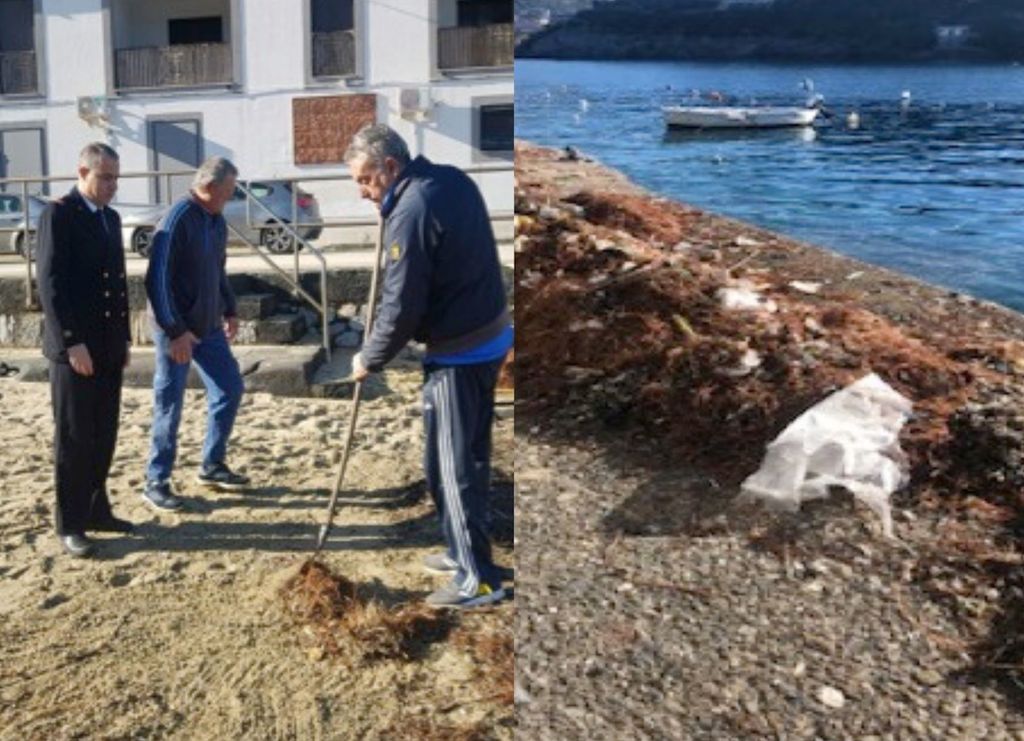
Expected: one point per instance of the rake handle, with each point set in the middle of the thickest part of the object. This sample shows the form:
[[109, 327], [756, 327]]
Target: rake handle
[[325, 529]]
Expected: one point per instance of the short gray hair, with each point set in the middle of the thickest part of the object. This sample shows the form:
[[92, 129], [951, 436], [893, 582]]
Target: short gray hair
[[94, 153], [213, 171], [378, 142]]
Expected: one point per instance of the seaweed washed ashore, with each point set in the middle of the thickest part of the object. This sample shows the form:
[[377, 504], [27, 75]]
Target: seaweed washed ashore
[[644, 316]]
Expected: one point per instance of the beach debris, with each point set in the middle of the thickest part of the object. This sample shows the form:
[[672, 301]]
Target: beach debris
[[805, 286], [493, 653], [589, 324], [684, 326], [744, 241], [987, 438], [550, 213], [341, 622], [830, 697], [749, 362], [521, 696], [742, 297], [569, 153], [848, 440], [428, 729]]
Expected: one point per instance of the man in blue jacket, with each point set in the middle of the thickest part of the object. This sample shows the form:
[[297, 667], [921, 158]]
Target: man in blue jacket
[[442, 286], [192, 308]]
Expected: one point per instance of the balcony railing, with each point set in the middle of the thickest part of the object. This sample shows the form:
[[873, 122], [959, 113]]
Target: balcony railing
[[334, 54], [466, 47], [18, 73], [186, 65]]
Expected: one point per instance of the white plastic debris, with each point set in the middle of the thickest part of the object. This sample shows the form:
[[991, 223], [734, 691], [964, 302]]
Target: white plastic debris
[[743, 297], [578, 326], [850, 440], [805, 286], [749, 362], [547, 213]]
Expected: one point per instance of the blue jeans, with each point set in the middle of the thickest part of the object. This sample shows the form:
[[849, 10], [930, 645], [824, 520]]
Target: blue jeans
[[219, 371]]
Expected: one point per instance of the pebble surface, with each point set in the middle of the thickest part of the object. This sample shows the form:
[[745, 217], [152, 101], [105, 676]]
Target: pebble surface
[[675, 636]]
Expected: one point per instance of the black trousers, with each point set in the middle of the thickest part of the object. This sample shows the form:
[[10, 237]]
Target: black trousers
[[85, 412], [458, 410]]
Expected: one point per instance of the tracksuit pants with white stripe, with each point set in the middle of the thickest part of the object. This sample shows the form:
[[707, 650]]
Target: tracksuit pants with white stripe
[[458, 409]]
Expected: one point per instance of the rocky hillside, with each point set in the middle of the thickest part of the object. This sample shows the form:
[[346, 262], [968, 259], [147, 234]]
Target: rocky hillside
[[837, 31]]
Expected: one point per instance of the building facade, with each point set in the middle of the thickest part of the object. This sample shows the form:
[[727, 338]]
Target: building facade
[[278, 86]]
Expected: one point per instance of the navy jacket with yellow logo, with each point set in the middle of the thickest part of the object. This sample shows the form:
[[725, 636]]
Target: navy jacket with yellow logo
[[442, 280]]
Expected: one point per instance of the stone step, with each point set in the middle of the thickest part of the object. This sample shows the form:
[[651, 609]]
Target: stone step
[[284, 371], [252, 306], [279, 329]]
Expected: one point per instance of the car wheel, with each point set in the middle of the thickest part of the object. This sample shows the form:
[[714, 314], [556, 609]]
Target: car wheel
[[142, 240], [277, 239]]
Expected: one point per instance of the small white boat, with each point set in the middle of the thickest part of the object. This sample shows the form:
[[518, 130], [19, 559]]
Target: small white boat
[[732, 117]]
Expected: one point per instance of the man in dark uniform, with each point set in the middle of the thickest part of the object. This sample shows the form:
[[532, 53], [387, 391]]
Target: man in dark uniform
[[84, 293], [442, 286]]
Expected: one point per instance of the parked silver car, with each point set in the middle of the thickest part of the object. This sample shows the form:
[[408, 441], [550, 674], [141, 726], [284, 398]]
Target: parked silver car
[[137, 222], [265, 229], [257, 225], [12, 219]]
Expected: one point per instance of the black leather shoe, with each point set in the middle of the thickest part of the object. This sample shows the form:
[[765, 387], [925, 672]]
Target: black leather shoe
[[111, 525], [77, 545]]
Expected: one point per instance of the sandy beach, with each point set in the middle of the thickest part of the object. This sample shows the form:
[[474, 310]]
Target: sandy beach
[[178, 631]]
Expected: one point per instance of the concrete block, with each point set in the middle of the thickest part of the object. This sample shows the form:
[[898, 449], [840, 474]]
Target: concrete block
[[256, 305]]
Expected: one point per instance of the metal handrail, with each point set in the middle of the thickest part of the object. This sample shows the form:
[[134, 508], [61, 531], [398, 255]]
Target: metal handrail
[[27, 254], [297, 288]]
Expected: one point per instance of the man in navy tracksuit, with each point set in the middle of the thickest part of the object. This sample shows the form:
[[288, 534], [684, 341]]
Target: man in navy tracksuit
[[442, 286], [192, 308]]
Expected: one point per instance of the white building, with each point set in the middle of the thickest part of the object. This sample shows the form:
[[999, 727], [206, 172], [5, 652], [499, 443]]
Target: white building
[[278, 86]]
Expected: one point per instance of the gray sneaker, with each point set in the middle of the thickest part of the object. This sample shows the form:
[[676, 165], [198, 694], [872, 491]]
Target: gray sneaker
[[449, 596], [159, 496], [440, 563]]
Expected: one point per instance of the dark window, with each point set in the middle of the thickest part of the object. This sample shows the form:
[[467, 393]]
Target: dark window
[[484, 12], [195, 31], [9, 204], [330, 15], [497, 128], [16, 23]]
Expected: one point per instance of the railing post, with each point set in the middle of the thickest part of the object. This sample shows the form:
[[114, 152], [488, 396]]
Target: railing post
[[26, 245], [295, 226], [324, 320]]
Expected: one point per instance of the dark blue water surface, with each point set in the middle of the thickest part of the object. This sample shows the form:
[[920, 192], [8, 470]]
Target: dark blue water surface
[[934, 189]]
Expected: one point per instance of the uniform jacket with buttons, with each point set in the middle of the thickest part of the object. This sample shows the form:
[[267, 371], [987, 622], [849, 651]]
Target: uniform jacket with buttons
[[82, 283]]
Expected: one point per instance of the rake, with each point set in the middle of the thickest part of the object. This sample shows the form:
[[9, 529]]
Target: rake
[[357, 393]]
